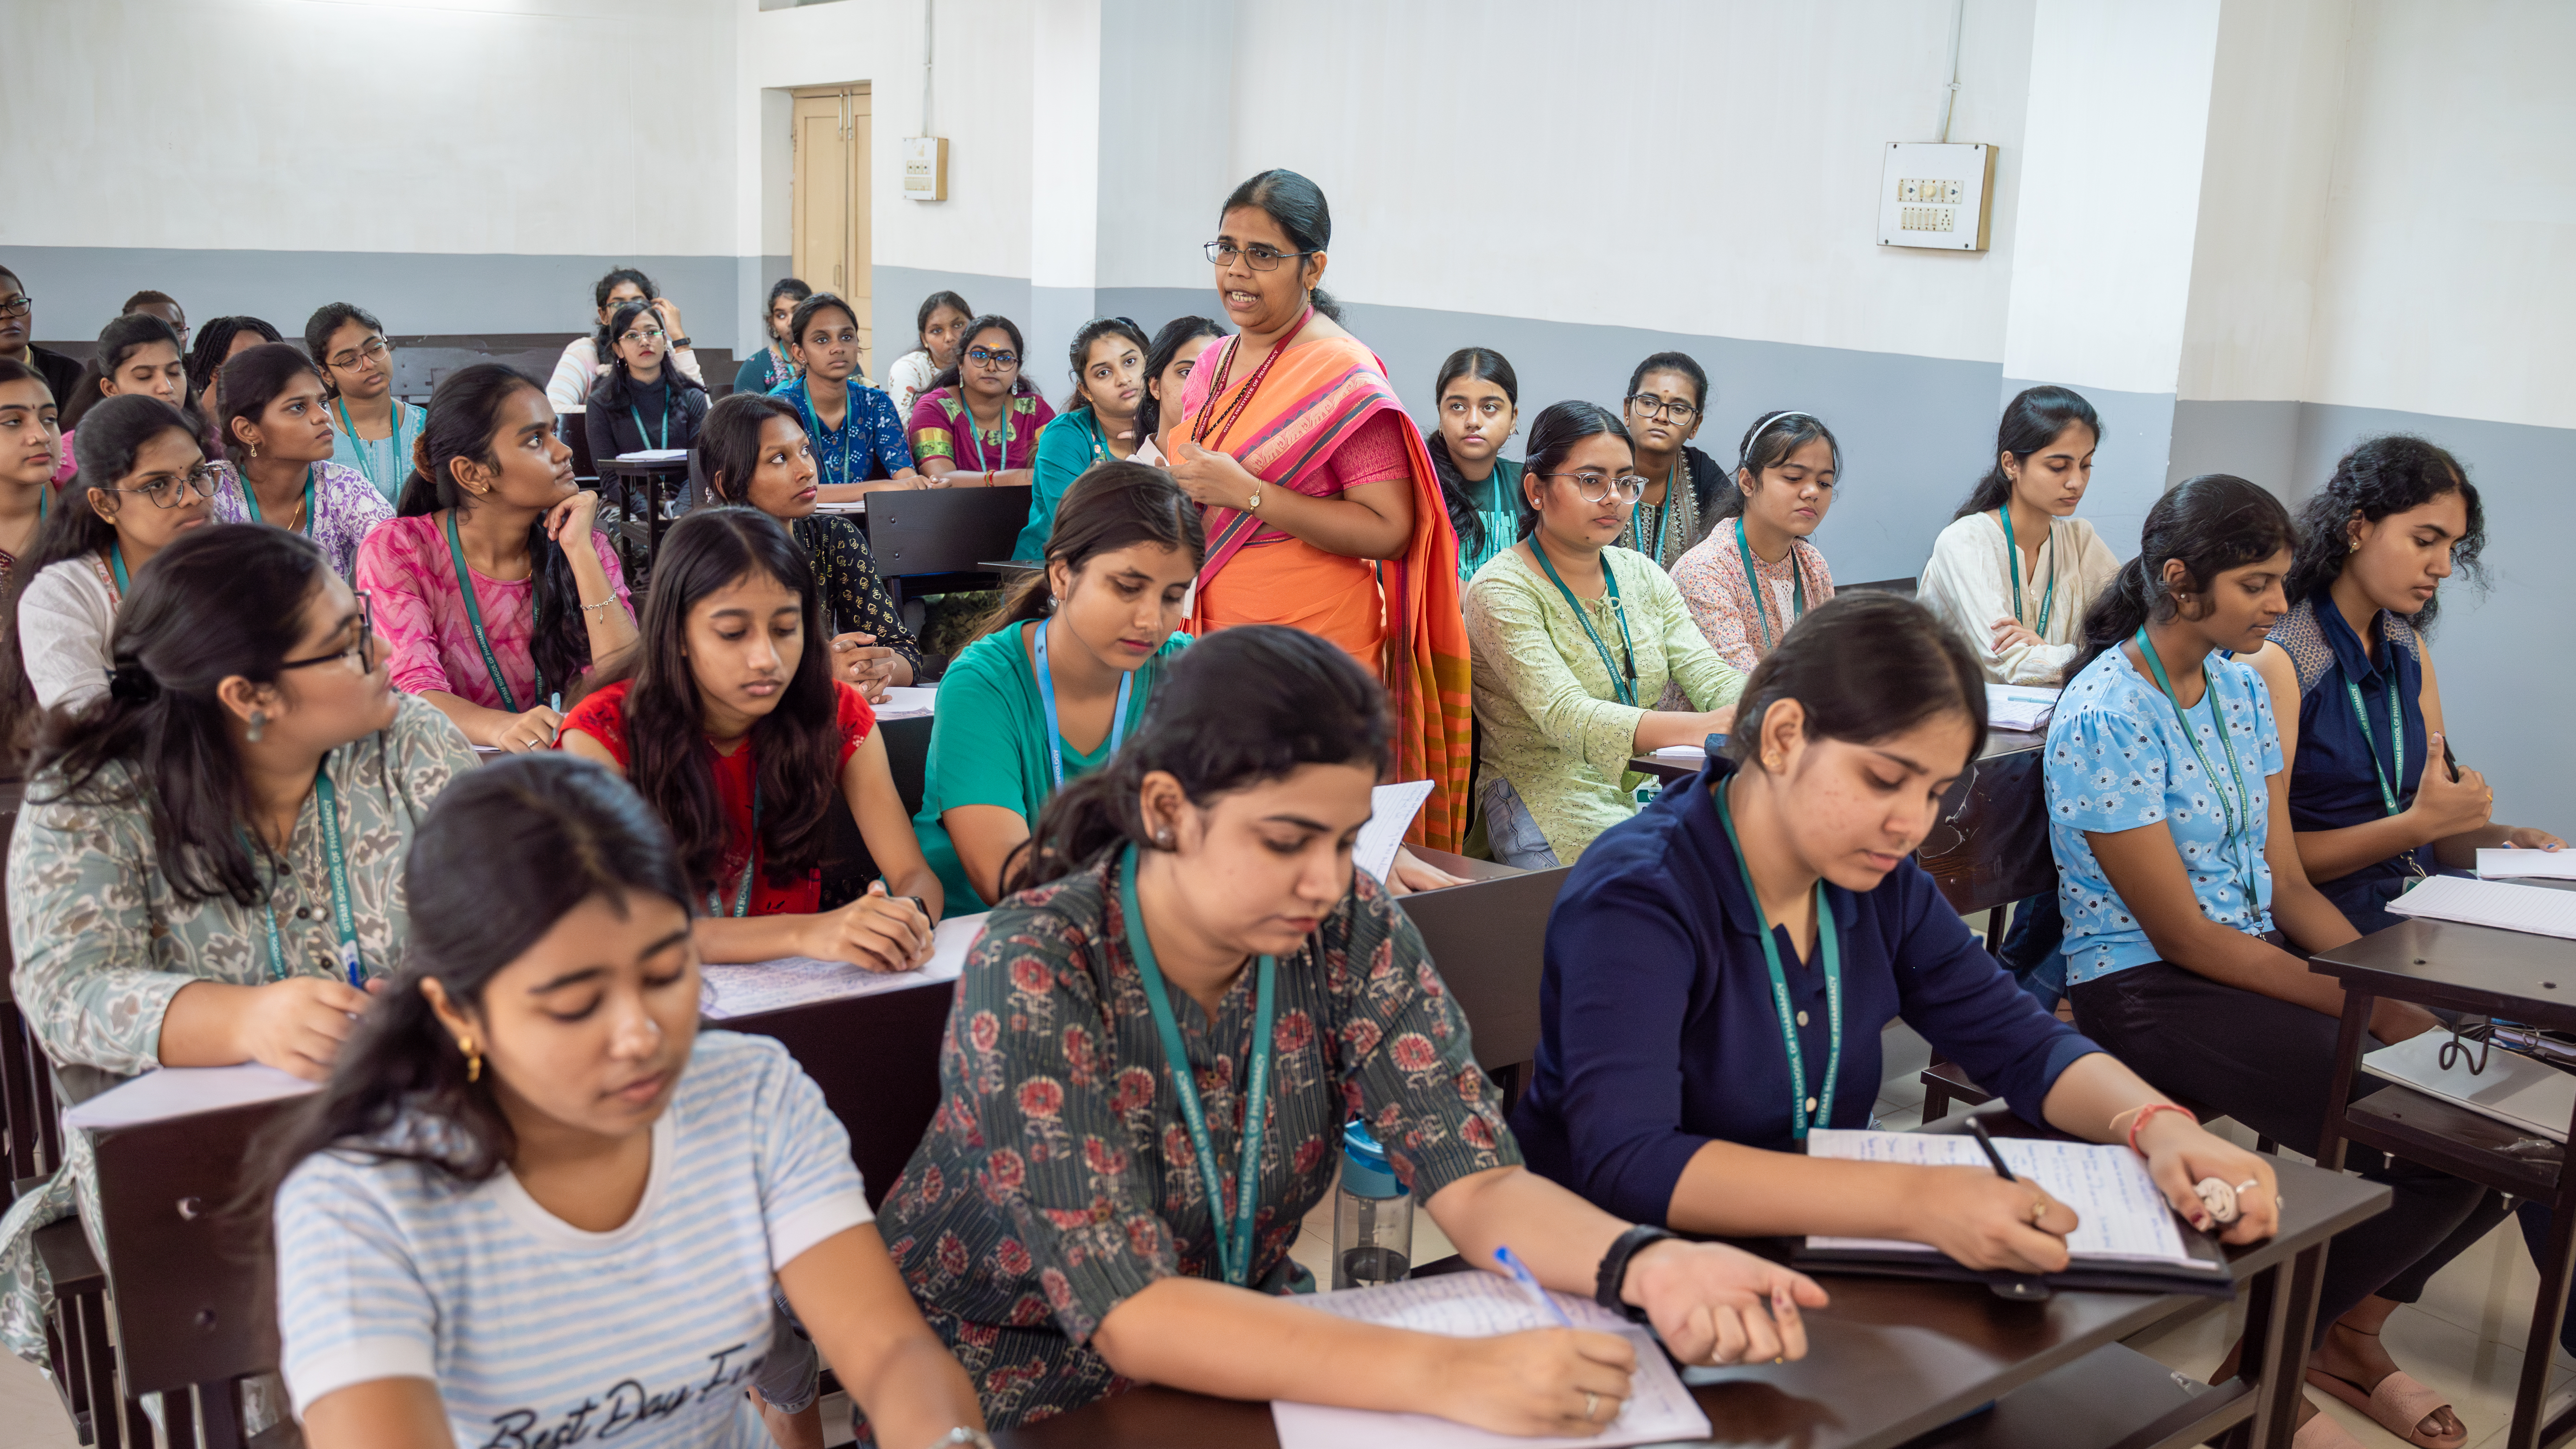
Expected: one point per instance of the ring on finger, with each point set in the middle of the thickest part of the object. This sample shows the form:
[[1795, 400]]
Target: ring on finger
[[2038, 1211], [1591, 1405]]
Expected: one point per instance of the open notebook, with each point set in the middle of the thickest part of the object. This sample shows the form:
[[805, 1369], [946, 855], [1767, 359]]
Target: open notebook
[[2129, 1236]]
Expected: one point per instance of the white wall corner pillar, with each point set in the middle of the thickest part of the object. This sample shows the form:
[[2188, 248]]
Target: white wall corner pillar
[[1064, 185]]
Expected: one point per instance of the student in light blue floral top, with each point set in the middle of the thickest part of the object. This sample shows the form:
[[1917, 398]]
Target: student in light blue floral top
[[2188, 919], [375, 430], [276, 422], [154, 923], [858, 439]]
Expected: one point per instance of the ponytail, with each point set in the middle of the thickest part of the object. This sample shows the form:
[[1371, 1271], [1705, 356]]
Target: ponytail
[[2211, 523], [2031, 421], [1113, 505]]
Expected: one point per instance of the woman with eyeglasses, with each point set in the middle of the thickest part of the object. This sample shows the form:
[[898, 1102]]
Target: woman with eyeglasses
[[278, 467], [208, 869], [1667, 400], [1324, 507], [1575, 638], [640, 403], [18, 326], [1755, 573], [585, 357], [773, 367], [856, 433], [978, 425], [1099, 426], [143, 483], [939, 330], [375, 429]]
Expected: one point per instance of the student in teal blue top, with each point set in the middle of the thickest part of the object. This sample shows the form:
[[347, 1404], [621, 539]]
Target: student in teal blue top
[[1479, 402], [1098, 426], [1061, 677]]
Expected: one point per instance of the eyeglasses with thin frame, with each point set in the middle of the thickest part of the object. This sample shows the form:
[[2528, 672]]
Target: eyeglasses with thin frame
[[1647, 405], [987, 357], [171, 492], [17, 306], [642, 334], [1598, 487], [364, 651], [372, 350], [1259, 257]]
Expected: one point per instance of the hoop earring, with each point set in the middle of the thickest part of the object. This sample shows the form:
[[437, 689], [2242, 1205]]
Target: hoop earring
[[473, 1059], [258, 725]]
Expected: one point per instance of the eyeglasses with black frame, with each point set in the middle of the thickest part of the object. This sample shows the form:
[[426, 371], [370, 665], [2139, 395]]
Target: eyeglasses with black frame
[[167, 493], [992, 357], [1647, 405], [1596, 487], [17, 306], [364, 650], [1259, 257]]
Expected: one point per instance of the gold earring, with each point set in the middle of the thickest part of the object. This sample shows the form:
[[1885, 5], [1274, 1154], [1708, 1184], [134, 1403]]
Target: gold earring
[[254, 452], [473, 1059]]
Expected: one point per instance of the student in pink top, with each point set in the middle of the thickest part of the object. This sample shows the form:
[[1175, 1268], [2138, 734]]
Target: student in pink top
[[490, 585], [1755, 573]]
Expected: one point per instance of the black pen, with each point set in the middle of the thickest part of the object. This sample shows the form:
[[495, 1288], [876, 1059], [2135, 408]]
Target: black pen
[[1978, 1130]]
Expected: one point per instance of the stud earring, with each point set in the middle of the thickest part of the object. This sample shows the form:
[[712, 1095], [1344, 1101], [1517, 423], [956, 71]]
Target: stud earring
[[258, 725], [2354, 546], [473, 1059], [1163, 838]]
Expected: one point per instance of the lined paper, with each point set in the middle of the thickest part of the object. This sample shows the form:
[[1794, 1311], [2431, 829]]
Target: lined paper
[[1392, 808], [2501, 904], [730, 991], [2124, 1218], [2529, 864]]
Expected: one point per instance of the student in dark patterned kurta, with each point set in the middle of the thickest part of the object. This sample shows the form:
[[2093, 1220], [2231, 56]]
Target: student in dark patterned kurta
[[1057, 1210]]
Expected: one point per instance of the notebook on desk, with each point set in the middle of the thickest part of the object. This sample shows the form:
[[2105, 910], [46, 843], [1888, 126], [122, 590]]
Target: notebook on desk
[[2129, 1238]]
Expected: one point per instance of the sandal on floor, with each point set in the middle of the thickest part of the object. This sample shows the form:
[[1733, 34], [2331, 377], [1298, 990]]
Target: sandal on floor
[[2322, 1432], [2399, 1404]]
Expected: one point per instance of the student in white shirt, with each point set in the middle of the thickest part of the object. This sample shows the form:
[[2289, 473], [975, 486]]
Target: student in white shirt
[[940, 328], [582, 357], [535, 1204], [2016, 569]]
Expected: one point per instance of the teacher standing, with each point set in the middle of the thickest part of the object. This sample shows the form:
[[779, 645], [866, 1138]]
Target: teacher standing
[[1324, 511]]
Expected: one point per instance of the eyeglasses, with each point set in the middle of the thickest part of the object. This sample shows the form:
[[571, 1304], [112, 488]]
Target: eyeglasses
[[641, 334], [171, 492], [1256, 256], [1598, 487], [364, 651], [371, 351], [17, 306], [987, 357], [1647, 405]]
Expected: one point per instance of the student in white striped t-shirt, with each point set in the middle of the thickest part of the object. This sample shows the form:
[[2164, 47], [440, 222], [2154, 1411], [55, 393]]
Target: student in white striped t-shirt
[[535, 1206]]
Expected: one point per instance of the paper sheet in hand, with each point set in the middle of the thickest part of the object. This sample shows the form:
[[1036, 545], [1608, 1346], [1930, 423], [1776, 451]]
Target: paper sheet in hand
[[2501, 904], [184, 1092], [1392, 808], [2125, 1218], [2515, 1090], [1480, 1305], [732, 991], [2019, 706], [908, 701], [2536, 864]]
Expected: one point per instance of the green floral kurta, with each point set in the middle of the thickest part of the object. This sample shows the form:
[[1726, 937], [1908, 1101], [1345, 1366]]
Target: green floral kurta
[[1058, 1179], [102, 944]]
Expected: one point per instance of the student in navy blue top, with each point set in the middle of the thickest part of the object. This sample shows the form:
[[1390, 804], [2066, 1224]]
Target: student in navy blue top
[[1665, 1089], [858, 441], [2374, 546], [2169, 820]]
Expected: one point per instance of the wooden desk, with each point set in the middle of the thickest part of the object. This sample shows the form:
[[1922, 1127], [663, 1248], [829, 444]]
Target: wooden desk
[[1893, 1359], [2526, 978], [653, 488]]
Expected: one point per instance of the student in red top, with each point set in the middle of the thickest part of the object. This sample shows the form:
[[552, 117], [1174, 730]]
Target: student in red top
[[727, 720]]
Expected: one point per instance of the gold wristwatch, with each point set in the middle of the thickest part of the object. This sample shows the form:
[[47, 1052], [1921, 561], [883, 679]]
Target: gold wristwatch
[[1253, 503]]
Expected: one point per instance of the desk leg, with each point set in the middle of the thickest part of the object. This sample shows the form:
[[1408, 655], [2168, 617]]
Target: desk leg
[[2546, 1311], [2266, 1309], [2349, 1035], [219, 1410]]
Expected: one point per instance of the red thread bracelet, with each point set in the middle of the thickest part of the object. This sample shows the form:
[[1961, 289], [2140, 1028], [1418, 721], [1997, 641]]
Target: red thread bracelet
[[2149, 1110]]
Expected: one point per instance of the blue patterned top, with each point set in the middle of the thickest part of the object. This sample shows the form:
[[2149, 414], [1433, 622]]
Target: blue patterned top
[[867, 445], [2117, 760]]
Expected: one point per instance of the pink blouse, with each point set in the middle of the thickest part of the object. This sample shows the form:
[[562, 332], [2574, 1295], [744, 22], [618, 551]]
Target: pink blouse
[[410, 578], [1711, 578]]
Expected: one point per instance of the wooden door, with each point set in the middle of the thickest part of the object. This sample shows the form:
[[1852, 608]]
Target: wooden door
[[830, 197]]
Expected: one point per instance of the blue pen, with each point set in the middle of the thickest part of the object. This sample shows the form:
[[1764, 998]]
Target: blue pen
[[1529, 1284]]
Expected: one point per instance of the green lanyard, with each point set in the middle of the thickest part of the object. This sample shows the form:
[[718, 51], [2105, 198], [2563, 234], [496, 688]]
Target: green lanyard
[[250, 496], [365, 450], [1753, 581], [2396, 733], [2014, 551], [2225, 745], [638, 415], [832, 477], [1663, 519], [116, 561], [742, 893], [1624, 688], [474, 613], [1233, 1250], [343, 912], [1802, 1108]]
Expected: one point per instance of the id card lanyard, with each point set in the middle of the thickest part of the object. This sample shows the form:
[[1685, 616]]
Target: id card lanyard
[[1046, 699], [1233, 1249], [250, 496], [343, 908], [637, 414], [1803, 1109], [1753, 582], [1625, 687], [474, 614], [367, 451], [742, 893], [2239, 810], [2397, 747], [814, 430], [2013, 551]]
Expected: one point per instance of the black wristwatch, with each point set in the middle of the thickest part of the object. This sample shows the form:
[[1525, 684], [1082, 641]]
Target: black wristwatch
[[1614, 1271], [679, 342]]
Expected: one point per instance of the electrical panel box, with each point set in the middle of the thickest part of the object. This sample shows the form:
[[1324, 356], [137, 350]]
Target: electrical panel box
[[925, 168], [1936, 195]]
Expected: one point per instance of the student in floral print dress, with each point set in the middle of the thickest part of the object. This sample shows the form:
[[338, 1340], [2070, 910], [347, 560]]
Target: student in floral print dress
[[1055, 1223]]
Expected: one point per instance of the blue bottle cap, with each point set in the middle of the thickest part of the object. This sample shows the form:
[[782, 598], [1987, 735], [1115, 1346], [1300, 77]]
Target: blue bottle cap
[[1365, 1171]]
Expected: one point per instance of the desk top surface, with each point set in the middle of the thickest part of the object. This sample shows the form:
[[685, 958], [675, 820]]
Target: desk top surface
[[2470, 968], [1999, 742]]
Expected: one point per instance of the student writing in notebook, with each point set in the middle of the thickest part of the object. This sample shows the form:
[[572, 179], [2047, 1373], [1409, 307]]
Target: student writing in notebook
[[2189, 917], [536, 1205], [1150, 1059], [726, 718], [1779, 887]]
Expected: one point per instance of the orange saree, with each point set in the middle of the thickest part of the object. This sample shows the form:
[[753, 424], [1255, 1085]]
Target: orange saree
[[1401, 616]]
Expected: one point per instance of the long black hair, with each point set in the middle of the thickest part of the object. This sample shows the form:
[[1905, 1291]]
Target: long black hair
[[603, 341], [1553, 434], [2031, 421], [930, 305], [1681, 362], [249, 383], [117, 341], [214, 345], [1864, 665], [1296, 205], [784, 287], [728, 449], [2212, 523], [797, 745], [464, 415], [507, 851], [1176, 334], [1111, 506], [2380, 476], [328, 318], [949, 376], [1079, 355], [1769, 442], [814, 306], [1243, 706], [617, 387], [215, 603], [1473, 362]]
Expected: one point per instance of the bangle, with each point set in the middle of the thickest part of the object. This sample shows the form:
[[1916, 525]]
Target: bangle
[[602, 604], [2147, 1111], [962, 1435], [1613, 1275]]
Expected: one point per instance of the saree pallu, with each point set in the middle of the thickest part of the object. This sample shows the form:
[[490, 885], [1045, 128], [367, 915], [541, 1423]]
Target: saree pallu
[[1315, 399]]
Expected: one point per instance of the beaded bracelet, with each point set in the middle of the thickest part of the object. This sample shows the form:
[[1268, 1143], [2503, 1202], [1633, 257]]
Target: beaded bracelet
[[2149, 1110]]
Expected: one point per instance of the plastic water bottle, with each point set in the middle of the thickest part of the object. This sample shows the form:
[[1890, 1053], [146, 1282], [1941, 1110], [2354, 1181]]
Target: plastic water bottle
[[1372, 1216]]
